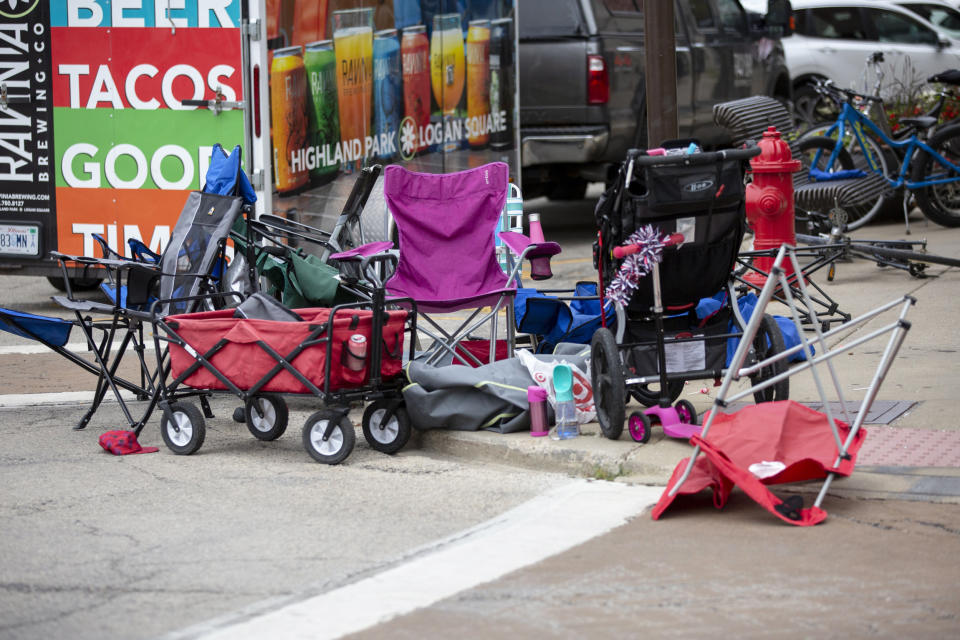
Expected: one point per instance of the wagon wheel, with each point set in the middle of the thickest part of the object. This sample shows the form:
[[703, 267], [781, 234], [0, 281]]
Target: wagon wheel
[[386, 436], [606, 377], [266, 416], [184, 434], [332, 448]]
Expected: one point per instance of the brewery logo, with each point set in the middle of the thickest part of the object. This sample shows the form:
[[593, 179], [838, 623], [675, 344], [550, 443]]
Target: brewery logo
[[408, 138], [17, 8]]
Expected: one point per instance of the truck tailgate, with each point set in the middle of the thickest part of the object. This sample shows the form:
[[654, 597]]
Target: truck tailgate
[[553, 82]]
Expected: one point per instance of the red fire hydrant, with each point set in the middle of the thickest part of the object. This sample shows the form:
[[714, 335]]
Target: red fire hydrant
[[769, 202]]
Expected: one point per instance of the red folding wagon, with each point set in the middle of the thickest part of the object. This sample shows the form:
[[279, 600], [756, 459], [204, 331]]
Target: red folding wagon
[[341, 355]]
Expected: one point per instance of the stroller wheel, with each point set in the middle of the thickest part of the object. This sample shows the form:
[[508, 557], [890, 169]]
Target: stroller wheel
[[769, 342], [266, 416], [648, 397], [339, 443], [185, 433], [639, 427], [389, 436], [686, 412], [606, 376]]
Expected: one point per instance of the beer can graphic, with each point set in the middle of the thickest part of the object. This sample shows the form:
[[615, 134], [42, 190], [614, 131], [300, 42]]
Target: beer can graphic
[[353, 46], [387, 91], [288, 107], [323, 118], [446, 62], [502, 81], [415, 61], [448, 74], [478, 82]]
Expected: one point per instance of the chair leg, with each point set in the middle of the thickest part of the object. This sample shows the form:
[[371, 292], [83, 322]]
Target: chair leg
[[493, 336], [511, 329]]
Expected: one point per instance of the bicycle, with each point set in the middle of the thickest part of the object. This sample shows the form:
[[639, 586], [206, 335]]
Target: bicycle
[[829, 247], [854, 146]]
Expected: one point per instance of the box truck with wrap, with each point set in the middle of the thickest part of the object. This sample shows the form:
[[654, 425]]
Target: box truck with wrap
[[109, 109]]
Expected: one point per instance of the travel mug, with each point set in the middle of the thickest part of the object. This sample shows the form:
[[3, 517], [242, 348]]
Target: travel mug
[[537, 399]]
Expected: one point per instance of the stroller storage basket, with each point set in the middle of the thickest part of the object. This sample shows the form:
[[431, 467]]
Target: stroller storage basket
[[688, 345], [243, 359], [702, 199]]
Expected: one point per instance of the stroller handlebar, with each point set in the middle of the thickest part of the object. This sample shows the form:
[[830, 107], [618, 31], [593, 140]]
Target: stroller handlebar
[[706, 157], [630, 249]]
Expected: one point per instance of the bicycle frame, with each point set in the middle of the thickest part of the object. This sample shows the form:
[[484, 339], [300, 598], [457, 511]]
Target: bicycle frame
[[849, 116]]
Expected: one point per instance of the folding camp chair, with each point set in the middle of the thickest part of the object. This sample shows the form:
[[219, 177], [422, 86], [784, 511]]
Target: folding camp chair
[[784, 442], [173, 282], [552, 316], [447, 260], [291, 259]]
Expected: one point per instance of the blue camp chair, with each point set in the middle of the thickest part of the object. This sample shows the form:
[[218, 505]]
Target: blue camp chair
[[552, 319]]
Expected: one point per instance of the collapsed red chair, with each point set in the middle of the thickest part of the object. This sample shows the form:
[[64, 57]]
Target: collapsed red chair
[[783, 442], [765, 444]]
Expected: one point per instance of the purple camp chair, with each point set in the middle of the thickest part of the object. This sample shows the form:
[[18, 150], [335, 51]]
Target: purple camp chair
[[447, 260]]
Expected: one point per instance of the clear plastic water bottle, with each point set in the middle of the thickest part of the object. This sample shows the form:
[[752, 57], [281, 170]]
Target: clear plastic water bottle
[[566, 410]]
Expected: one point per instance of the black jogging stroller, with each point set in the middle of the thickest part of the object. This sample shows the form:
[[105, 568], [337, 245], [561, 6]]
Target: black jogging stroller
[[686, 211]]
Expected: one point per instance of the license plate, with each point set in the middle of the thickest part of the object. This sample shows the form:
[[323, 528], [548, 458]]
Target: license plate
[[19, 239]]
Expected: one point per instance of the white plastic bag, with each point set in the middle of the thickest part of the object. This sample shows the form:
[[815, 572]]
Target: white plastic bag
[[542, 374]]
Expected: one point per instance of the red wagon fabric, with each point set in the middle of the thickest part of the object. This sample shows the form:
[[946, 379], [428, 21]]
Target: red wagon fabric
[[244, 362]]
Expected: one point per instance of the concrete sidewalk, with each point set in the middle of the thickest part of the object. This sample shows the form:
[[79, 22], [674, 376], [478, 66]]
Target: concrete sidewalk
[[916, 454]]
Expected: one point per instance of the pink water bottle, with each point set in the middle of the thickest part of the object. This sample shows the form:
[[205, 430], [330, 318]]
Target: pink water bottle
[[536, 231], [537, 399]]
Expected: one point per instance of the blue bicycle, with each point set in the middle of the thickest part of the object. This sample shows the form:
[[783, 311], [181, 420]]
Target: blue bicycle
[[929, 157]]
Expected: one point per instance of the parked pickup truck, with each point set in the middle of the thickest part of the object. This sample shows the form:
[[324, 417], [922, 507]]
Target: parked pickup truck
[[582, 92]]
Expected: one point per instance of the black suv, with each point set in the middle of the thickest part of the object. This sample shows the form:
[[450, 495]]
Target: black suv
[[582, 92]]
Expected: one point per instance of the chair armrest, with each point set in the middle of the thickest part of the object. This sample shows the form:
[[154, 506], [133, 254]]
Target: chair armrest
[[141, 252], [361, 262], [363, 251], [105, 249], [538, 253], [90, 261], [524, 247]]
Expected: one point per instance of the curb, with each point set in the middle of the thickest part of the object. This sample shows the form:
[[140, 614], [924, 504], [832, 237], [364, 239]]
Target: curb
[[592, 456], [589, 455]]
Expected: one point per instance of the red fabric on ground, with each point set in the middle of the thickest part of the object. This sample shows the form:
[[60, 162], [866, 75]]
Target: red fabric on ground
[[786, 432]]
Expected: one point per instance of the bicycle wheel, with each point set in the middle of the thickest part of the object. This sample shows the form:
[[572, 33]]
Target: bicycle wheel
[[941, 202], [811, 108], [869, 158], [809, 157]]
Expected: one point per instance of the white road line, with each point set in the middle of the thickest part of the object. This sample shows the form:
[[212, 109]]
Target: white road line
[[549, 524], [11, 400]]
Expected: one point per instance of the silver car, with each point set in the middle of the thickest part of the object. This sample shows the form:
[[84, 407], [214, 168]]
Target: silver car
[[833, 40]]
